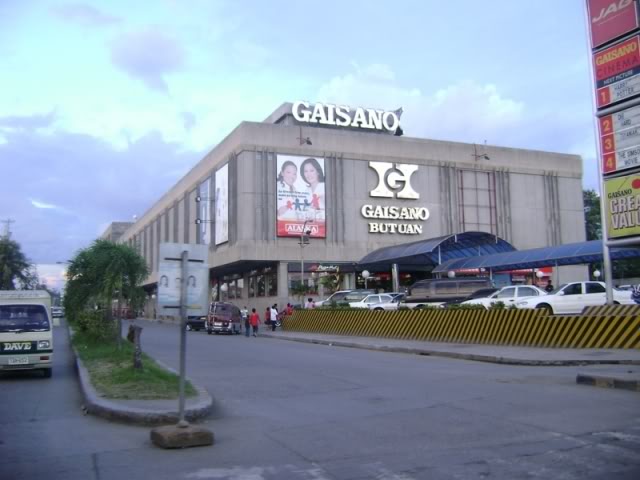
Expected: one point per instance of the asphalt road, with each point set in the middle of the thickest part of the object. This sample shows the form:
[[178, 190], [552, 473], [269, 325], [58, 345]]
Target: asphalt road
[[287, 410]]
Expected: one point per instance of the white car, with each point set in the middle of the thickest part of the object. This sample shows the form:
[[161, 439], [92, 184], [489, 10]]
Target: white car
[[363, 300], [507, 295], [393, 304], [573, 297]]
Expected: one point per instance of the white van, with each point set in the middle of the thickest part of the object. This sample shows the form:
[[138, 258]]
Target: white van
[[26, 338]]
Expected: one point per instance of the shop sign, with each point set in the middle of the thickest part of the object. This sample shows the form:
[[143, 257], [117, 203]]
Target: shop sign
[[393, 177], [617, 70], [620, 140], [343, 116], [395, 213], [622, 196], [610, 19]]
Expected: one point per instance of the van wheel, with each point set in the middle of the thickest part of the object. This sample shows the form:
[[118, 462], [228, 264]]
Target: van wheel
[[208, 332], [616, 303], [378, 309], [47, 372]]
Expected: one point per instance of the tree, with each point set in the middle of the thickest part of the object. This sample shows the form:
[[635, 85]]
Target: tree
[[98, 273], [592, 214], [15, 269]]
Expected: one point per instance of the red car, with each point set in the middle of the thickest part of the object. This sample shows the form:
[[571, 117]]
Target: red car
[[224, 318]]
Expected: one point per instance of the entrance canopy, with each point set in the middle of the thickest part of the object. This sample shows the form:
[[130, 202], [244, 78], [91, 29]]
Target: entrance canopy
[[437, 250], [568, 254]]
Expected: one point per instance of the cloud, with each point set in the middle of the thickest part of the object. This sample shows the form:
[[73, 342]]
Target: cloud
[[29, 122], [65, 186], [84, 15], [188, 120], [148, 56], [467, 111], [38, 204]]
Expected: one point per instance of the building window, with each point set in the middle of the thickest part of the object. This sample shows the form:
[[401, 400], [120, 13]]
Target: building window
[[477, 201], [272, 284], [252, 286], [262, 290]]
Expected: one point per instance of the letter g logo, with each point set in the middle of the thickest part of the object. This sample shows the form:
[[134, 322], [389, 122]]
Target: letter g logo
[[392, 177]]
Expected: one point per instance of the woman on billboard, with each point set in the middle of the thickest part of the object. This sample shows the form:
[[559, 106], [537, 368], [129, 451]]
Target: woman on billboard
[[286, 187], [311, 173]]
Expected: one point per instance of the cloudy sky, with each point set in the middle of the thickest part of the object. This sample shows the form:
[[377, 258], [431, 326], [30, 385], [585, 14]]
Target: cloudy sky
[[105, 105]]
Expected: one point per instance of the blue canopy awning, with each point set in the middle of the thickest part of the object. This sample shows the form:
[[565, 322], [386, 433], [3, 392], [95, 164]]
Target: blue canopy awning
[[440, 249], [568, 254]]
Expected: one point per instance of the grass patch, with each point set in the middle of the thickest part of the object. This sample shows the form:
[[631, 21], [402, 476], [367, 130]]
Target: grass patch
[[112, 374]]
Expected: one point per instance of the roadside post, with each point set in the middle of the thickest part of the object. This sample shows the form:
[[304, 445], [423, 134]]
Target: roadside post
[[183, 279]]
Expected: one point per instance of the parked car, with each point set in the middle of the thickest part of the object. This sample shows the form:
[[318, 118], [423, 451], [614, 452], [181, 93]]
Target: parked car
[[362, 300], [574, 297], [435, 291], [340, 296], [507, 295], [196, 323], [57, 312], [481, 293], [224, 318], [391, 305]]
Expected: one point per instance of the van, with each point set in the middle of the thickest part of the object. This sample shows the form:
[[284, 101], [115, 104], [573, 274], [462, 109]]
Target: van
[[440, 290], [26, 338], [224, 318]]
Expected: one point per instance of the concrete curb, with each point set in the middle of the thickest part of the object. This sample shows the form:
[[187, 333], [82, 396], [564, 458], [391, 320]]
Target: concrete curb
[[114, 411], [608, 382], [460, 356]]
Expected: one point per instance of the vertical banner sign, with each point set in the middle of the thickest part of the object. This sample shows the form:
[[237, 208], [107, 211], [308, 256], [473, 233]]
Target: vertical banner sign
[[222, 205], [620, 140], [300, 190], [204, 191], [623, 205], [617, 72], [610, 19]]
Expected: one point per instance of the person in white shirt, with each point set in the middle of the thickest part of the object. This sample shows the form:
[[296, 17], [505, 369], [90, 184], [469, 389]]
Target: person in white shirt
[[274, 317]]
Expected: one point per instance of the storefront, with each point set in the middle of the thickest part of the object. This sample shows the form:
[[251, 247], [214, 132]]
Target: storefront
[[290, 205]]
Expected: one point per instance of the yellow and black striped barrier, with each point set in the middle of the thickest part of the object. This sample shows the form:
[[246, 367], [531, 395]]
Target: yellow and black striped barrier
[[612, 310], [533, 328]]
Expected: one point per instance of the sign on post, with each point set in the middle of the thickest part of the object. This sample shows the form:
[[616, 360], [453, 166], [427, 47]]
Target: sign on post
[[622, 200], [170, 279]]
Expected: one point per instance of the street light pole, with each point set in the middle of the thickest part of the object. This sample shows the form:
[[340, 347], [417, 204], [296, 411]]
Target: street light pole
[[304, 240]]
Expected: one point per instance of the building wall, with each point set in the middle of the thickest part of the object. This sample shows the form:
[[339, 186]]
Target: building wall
[[537, 195]]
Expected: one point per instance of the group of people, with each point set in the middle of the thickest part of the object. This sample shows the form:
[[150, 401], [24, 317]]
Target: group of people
[[271, 316]]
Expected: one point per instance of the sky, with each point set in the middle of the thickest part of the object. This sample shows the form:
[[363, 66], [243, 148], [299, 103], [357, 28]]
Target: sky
[[106, 105]]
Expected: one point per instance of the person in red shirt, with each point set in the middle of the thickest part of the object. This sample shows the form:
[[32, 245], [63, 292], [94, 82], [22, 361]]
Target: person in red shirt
[[254, 320]]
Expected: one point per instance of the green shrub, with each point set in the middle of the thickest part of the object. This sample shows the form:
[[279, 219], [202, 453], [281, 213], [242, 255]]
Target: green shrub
[[94, 325], [498, 306]]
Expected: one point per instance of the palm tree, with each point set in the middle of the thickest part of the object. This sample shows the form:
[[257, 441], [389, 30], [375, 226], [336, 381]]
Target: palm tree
[[14, 266], [102, 271]]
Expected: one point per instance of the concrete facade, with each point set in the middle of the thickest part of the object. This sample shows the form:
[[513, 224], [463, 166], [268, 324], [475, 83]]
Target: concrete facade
[[529, 198]]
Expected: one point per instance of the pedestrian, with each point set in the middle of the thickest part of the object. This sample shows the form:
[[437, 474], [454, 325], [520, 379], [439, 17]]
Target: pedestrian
[[310, 303], [273, 317], [549, 287], [245, 319], [254, 320], [289, 309], [267, 316]]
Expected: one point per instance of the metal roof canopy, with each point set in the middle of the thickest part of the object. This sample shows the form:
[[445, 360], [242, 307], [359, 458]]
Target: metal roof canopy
[[440, 249], [568, 254]]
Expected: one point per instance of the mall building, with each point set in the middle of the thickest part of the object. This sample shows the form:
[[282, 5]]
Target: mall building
[[318, 187]]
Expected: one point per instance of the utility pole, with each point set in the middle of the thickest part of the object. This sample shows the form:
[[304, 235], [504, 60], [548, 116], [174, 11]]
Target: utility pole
[[7, 227]]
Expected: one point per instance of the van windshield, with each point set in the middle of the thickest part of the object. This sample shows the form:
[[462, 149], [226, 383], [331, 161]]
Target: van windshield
[[23, 318]]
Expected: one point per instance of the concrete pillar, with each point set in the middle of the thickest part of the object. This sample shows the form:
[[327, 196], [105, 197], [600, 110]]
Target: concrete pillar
[[283, 283], [395, 277]]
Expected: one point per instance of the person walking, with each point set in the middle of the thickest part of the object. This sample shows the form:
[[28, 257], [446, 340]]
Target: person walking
[[267, 316], [274, 317], [244, 313], [254, 320]]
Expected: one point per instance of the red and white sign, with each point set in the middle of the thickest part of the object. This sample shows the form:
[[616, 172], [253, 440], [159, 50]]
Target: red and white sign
[[617, 71], [620, 140], [611, 19], [292, 228]]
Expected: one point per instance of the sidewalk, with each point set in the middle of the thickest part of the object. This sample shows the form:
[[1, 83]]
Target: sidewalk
[[612, 368]]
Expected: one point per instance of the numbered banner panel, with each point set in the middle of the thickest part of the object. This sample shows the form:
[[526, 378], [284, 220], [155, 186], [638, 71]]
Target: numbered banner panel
[[617, 72], [620, 140], [623, 205]]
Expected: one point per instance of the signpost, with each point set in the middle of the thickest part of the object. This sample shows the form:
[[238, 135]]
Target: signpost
[[183, 279], [615, 41]]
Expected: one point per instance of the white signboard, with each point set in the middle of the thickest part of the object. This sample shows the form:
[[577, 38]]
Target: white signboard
[[222, 205], [343, 116], [620, 140], [170, 279]]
